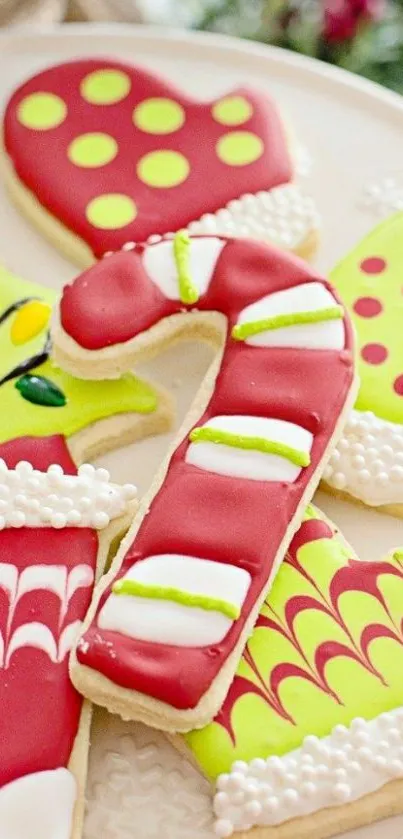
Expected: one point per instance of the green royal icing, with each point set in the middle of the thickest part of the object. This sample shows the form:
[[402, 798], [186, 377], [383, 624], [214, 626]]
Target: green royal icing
[[246, 330], [40, 391], [259, 444], [377, 391], [187, 291], [86, 401], [263, 724], [185, 598]]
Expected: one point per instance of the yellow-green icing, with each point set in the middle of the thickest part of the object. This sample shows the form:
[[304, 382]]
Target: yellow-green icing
[[187, 291], [246, 330], [256, 720], [380, 382], [176, 595], [259, 444], [86, 401]]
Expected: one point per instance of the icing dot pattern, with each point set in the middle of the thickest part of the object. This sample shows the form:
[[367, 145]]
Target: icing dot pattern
[[42, 111], [111, 212], [120, 131], [369, 283]]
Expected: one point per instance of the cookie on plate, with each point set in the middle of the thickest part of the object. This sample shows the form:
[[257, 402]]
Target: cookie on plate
[[367, 464], [309, 740], [56, 529], [188, 581], [100, 154]]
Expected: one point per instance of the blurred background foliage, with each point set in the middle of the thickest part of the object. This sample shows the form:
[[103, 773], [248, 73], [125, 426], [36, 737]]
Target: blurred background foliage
[[364, 36]]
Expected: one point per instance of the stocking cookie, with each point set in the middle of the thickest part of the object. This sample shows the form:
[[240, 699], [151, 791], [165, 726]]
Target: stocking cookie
[[51, 549], [52, 546], [100, 154], [367, 464], [169, 623], [309, 740]]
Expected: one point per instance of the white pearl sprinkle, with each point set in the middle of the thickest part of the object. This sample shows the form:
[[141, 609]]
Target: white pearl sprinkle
[[32, 498]]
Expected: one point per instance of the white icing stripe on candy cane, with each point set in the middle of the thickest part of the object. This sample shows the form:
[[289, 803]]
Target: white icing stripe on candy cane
[[334, 770], [161, 266], [249, 463], [176, 591], [283, 216], [38, 806], [368, 461], [309, 298], [29, 498]]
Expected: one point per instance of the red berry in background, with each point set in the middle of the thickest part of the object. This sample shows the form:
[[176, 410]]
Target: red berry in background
[[342, 18]]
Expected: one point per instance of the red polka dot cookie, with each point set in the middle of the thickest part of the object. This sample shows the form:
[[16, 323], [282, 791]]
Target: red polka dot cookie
[[368, 462], [100, 154], [169, 623]]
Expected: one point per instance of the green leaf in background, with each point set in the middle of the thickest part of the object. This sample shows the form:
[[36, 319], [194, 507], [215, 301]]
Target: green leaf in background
[[40, 391]]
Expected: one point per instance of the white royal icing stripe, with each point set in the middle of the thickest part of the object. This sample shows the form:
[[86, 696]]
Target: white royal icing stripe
[[30, 498], [167, 622], [160, 264], [368, 460], [348, 764], [38, 806], [329, 334], [249, 464]]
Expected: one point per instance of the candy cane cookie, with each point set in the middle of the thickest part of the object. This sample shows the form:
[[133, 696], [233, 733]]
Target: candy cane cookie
[[167, 627], [56, 527], [367, 464], [309, 740], [99, 153]]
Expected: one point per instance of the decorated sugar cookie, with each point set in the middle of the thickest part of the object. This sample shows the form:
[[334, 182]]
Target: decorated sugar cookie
[[168, 625], [368, 462], [100, 154], [313, 721], [50, 554], [55, 531]]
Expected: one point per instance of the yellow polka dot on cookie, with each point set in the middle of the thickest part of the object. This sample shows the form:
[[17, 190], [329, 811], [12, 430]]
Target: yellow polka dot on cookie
[[29, 321], [92, 150], [105, 87], [232, 110], [41, 111], [111, 211], [238, 148], [163, 169], [159, 116]]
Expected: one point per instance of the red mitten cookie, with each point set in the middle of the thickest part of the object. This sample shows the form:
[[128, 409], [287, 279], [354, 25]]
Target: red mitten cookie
[[100, 153], [169, 623]]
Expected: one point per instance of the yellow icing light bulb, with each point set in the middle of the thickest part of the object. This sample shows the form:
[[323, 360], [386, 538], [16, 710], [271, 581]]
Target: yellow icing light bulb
[[29, 321]]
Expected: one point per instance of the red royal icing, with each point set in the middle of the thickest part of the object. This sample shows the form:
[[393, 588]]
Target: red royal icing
[[237, 521], [40, 708], [40, 157]]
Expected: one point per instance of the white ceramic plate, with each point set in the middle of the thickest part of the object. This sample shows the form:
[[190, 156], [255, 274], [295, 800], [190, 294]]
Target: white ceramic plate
[[138, 785]]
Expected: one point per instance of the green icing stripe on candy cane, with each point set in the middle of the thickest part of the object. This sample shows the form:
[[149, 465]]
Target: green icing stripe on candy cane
[[259, 444], [187, 290], [246, 330], [133, 588]]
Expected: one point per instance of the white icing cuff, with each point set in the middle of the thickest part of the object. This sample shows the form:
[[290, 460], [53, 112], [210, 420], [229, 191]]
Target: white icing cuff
[[283, 215], [368, 461], [30, 498], [38, 806], [334, 770]]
